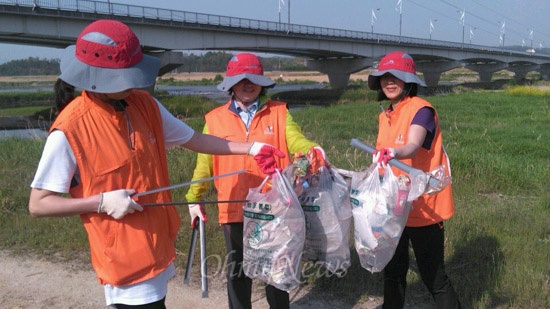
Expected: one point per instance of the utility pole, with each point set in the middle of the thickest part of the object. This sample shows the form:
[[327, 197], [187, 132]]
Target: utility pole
[[288, 30], [279, 25], [399, 8], [372, 20], [432, 27], [502, 32], [463, 23]]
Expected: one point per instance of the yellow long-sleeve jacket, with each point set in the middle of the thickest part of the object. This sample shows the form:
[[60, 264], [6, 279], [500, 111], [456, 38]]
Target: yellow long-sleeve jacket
[[272, 124]]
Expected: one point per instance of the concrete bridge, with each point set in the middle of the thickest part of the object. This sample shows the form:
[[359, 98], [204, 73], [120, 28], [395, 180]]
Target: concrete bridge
[[335, 52]]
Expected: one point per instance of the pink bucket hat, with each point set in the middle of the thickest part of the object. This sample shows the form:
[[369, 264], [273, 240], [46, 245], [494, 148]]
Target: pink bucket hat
[[244, 66], [107, 58], [398, 64]]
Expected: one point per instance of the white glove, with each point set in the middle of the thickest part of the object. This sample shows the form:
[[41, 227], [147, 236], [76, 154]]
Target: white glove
[[118, 203], [197, 213]]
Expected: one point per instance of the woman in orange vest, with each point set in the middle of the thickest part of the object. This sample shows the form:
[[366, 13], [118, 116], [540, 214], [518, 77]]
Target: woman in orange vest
[[408, 130], [109, 143], [248, 115]]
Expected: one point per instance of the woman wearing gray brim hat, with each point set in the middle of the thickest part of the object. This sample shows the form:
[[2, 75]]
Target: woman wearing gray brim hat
[[106, 145], [247, 115], [401, 66], [409, 130]]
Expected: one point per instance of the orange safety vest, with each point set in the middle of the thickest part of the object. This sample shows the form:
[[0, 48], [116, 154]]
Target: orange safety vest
[[140, 245], [267, 126], [393, 131]]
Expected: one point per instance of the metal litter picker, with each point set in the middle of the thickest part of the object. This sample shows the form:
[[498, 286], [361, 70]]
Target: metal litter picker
[[204, 277], [433, 181], [201, 227], [187, 183], [190, 255]]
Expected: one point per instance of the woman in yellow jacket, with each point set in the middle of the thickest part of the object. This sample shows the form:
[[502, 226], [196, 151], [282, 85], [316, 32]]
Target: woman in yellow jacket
[[247, 116], [408, 130]]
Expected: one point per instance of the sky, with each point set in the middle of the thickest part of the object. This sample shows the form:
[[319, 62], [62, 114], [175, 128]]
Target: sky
[[482, 22]]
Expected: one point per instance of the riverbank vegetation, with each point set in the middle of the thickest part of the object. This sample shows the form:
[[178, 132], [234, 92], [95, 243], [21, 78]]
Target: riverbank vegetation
[[215, 61], [497, 244]]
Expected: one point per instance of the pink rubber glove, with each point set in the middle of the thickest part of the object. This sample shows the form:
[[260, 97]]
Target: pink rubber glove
[[197, 213], [382, 156], [264, 154]]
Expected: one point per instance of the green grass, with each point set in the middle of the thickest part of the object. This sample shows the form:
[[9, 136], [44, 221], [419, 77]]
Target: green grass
[[204, 81], [9, 99], [497, 244], [4, 85], [23, 111], [188, 106]]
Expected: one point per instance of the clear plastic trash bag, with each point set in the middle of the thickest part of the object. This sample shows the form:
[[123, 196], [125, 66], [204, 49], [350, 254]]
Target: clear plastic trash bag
[[327, 208], [380, 208], [274, 233]]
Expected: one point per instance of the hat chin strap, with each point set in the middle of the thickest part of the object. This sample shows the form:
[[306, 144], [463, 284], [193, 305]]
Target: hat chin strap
[[119, 105], [243, 102]]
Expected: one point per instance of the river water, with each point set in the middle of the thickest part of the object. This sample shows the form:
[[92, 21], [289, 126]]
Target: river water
[[221, 96], [23, 133], [208, 91]]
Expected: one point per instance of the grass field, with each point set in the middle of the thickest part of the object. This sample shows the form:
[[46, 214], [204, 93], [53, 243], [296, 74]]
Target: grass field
[[497, 244]]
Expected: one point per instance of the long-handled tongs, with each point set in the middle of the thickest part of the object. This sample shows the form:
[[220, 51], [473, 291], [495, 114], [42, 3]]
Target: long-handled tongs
[[185, 184], [434, 183], [204, 277]]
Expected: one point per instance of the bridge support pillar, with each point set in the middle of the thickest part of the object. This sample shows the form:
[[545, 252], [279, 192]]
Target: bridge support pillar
[[486, 70], [522, 70], [169, 60], [544, 71], [485, 76], [339, 70], [338, 80], [432, 70]]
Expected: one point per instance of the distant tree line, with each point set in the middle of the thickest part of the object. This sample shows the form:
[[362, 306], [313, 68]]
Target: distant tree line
[[208, 62], [217, 62], [30, 66]]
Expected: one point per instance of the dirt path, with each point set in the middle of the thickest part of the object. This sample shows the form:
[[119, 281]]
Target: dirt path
[[30, 282]]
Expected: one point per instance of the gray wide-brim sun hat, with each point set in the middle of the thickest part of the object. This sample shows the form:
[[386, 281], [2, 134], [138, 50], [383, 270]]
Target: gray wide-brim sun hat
[[107, 80], [406, 77], [230, 81]]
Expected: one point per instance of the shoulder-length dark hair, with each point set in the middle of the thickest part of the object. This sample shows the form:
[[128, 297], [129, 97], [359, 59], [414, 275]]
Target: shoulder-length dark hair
[[64, 94]]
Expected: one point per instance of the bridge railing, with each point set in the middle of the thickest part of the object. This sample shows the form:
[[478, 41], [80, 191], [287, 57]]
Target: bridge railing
[[152, 15]]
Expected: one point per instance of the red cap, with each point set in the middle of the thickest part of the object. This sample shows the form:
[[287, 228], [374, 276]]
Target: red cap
[[244, 63], [399, 61], [108, 44]]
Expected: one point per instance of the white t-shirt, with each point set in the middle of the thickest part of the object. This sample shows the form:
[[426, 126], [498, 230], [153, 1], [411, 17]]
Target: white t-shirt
[[56, 169], [145, 292]]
